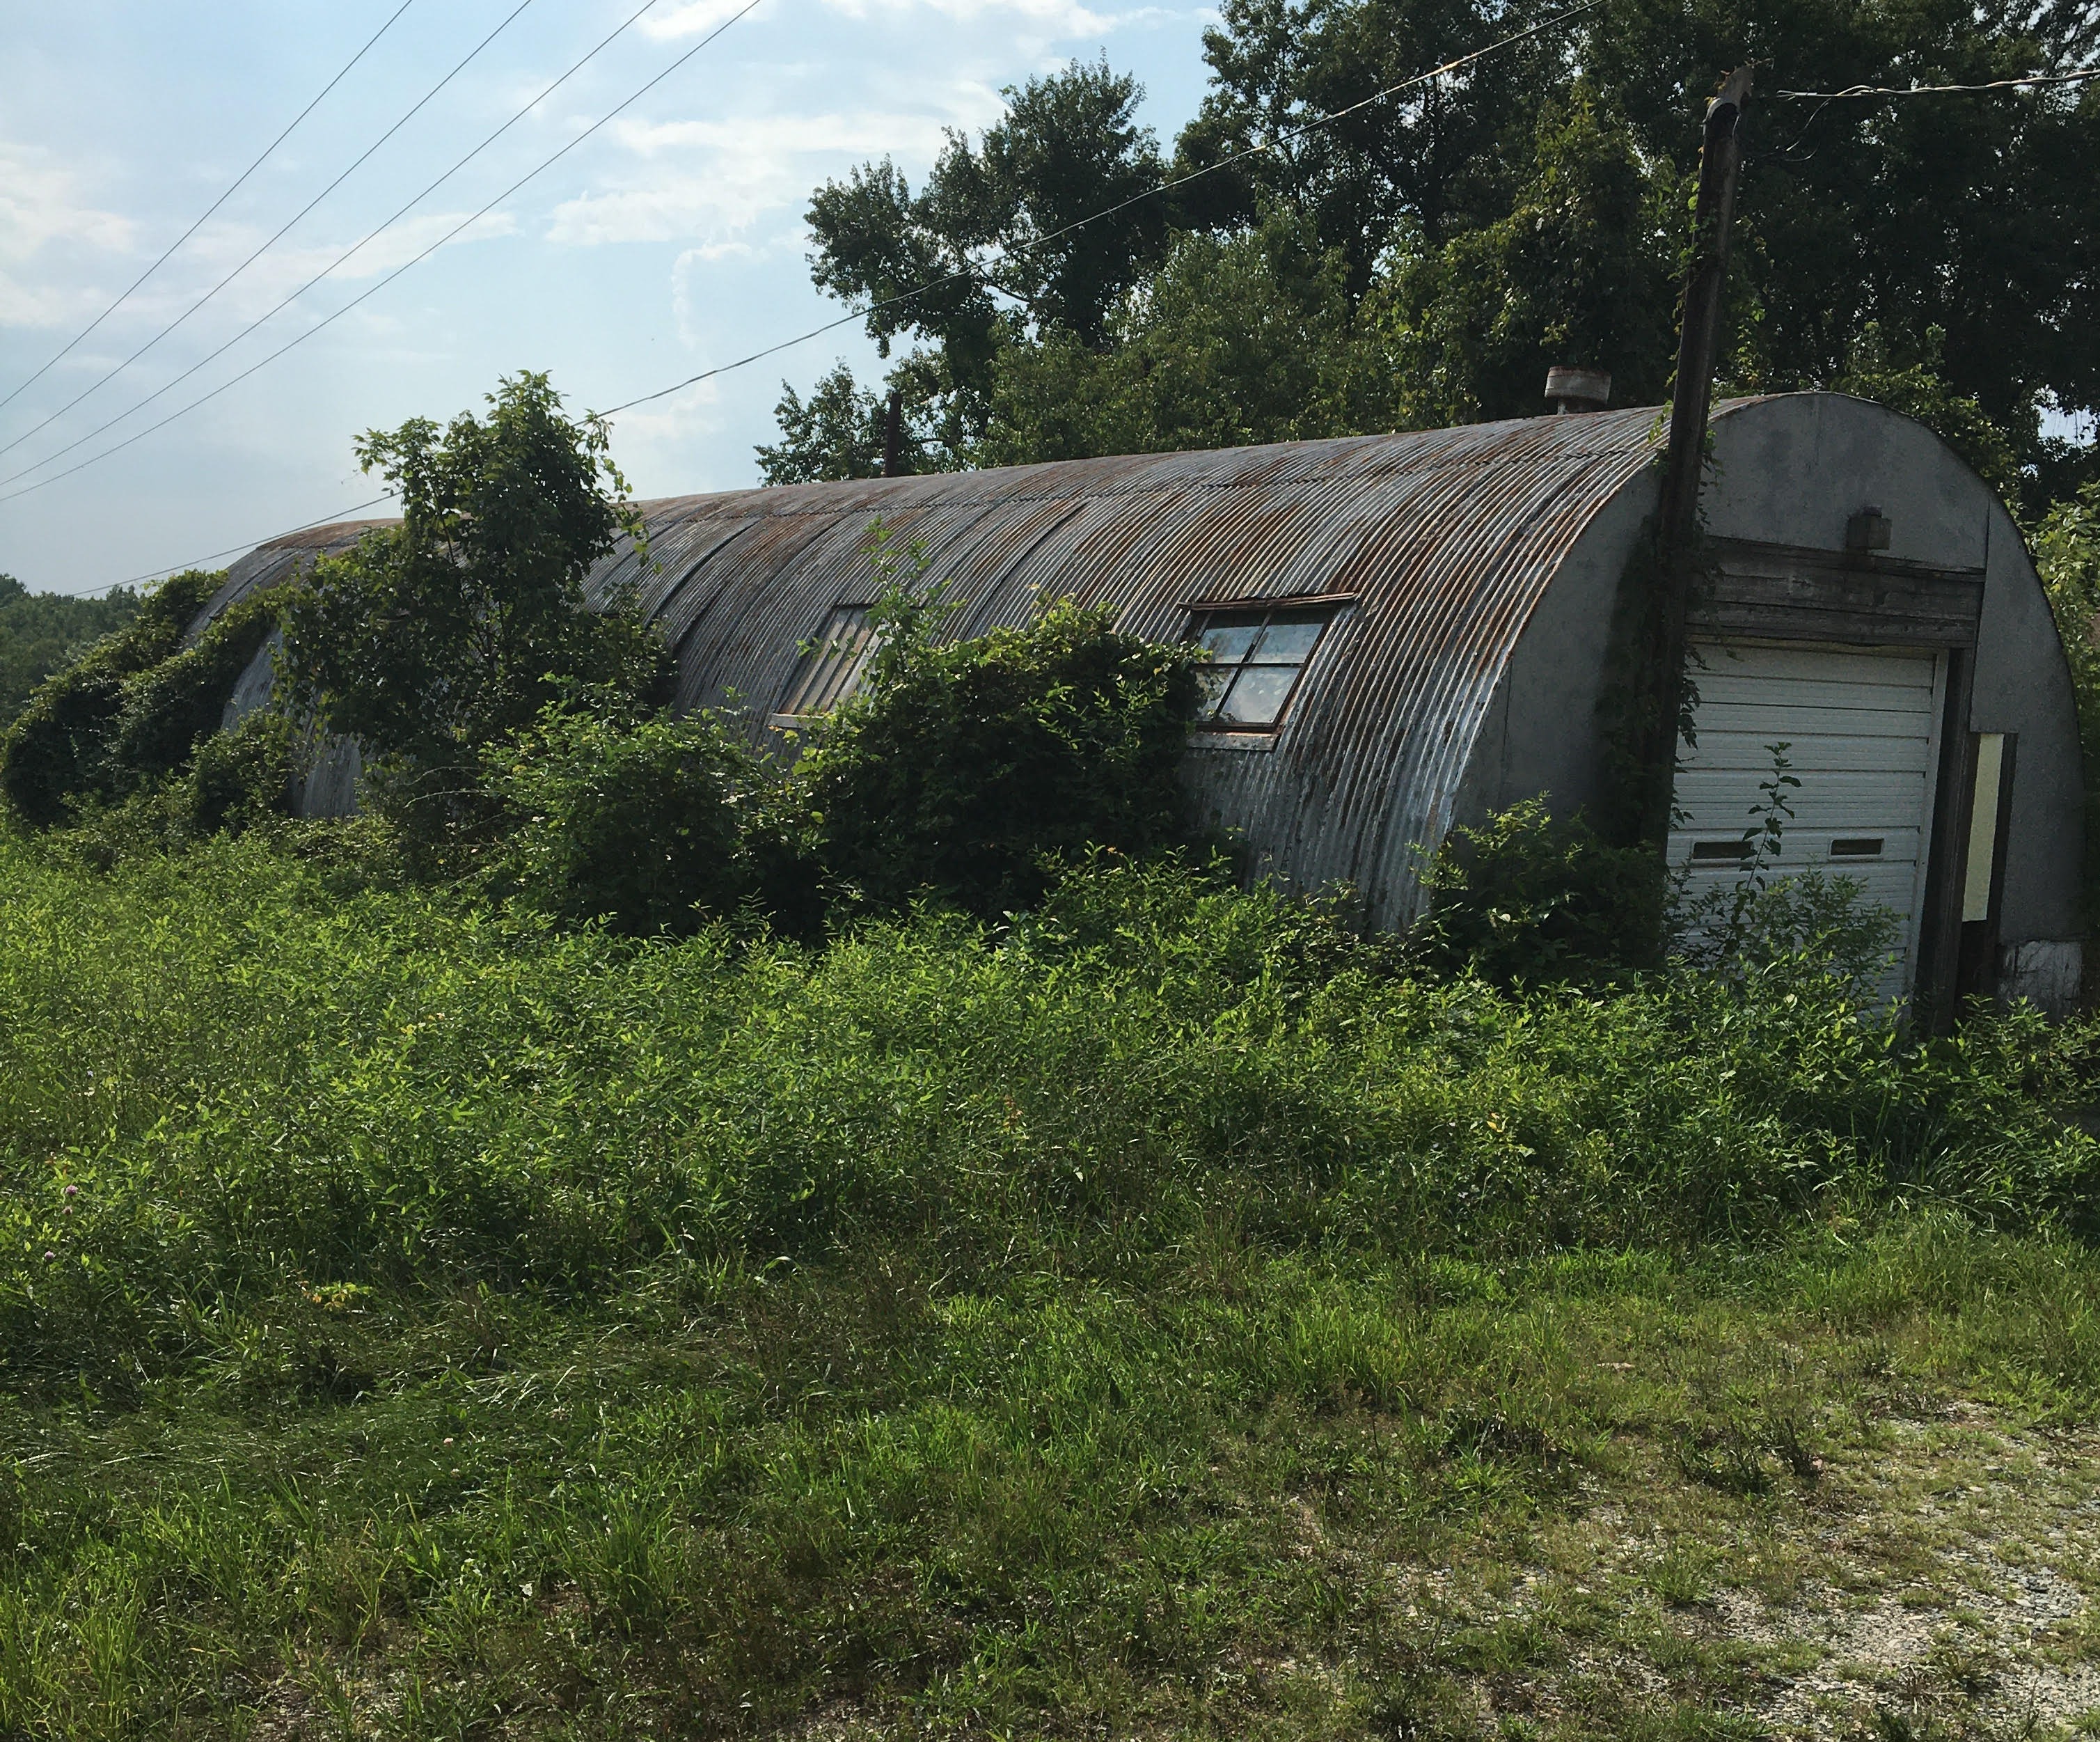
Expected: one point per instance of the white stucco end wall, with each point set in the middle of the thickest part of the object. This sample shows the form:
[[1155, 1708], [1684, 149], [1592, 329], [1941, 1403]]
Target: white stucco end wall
[[1541, 733], [1793, 469]]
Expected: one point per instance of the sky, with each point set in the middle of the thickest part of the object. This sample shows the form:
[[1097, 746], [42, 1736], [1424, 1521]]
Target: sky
[[670, 241]]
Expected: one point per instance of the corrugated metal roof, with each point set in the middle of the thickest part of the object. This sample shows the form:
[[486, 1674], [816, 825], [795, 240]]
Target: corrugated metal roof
[[1447, 538]]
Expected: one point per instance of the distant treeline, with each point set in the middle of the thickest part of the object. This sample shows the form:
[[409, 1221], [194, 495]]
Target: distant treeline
[[40, 633]]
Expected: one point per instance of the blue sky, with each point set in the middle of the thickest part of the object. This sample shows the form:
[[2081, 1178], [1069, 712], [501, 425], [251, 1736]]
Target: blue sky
[[670, 241]]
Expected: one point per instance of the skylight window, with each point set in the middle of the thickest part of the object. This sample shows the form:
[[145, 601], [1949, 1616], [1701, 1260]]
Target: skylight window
[[1258, 655]]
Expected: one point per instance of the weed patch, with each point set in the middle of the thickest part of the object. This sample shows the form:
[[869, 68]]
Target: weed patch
[[1162, 1314]]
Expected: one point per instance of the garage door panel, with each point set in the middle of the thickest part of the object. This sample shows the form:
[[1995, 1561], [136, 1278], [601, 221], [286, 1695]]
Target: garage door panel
[[1753, 689], [1811, 849], [1749, 753], [1798, 720], [1885, 885], [1886, 667], [1832, 799]]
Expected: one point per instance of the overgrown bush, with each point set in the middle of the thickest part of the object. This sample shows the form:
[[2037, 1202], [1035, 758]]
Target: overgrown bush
[[239, 778], [171, 708], [58, 751], [640, 821], [434, 639], [391, 1089], [965, 771], [1525, 898]]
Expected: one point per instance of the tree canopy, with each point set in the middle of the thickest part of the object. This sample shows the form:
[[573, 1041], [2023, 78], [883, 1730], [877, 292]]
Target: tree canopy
[[41, 633], [434, 638], [1424, 258]]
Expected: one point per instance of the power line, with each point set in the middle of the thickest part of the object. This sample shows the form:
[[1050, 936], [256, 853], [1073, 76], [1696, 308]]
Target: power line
[[1269, 144], [1934, 91], [175, 568], [329, 320], [238, 181], [170, 327]]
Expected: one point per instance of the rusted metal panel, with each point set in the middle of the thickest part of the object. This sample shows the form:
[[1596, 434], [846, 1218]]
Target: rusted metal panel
[[1445, 540]]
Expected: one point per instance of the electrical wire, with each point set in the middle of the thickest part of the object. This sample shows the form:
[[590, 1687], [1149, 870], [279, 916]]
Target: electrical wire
[[1237, 158], [329, 320], [238, 181], [9, 447], [1934, 91], [176, 568], [1283, 138]]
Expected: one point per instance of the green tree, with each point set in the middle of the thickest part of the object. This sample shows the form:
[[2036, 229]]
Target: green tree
[[1582, 270], [59, 749], [837, 432], [974, 261], [432, 639], [1236, 339], [1979, 216], [1411, 172]]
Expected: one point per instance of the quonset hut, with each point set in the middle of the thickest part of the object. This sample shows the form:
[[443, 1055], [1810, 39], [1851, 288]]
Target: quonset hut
[[1412, 631]]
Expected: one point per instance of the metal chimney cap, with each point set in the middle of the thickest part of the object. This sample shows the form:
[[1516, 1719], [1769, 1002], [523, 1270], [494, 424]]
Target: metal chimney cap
[[1573, 388]]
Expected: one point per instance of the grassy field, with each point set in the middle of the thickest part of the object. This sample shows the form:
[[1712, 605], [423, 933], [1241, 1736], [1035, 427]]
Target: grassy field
[[1157, 1319]]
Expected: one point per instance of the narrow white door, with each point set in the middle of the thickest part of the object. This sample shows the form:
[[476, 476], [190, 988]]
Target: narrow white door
[[1860, 726]]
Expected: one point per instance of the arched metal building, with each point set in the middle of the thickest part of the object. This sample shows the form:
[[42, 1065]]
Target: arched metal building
[[1410, 630]]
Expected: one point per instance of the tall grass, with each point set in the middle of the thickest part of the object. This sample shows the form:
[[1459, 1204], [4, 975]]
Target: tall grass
[[217, 1078], [417, 1321]]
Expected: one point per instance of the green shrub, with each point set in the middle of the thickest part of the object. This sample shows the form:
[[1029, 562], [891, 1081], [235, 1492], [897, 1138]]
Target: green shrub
[[58, 750], [640, 823], [172, 707], [392, 1088], [1526, 898], [967, 770], [239, 778], [431, 640]]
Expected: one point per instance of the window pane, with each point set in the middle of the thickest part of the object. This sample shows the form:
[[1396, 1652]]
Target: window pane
[[1216, 680], [1259, 696], [1228, 642], [1289, 644]]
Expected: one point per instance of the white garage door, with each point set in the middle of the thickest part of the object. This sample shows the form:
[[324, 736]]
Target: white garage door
[[1861, 725]]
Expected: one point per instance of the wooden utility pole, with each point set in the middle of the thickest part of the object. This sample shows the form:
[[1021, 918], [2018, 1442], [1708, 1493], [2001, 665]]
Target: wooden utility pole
[[893, 435], [1677, 513]]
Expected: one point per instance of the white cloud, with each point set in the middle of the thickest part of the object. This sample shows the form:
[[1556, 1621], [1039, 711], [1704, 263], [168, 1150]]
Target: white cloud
[[25, 305], [1055, 20], [692, 19], [710, 181], [217, 249], [40, 206]]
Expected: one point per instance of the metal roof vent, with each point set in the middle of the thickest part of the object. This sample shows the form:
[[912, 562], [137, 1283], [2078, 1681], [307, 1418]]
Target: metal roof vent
[[1576, 389], [1867, 530]]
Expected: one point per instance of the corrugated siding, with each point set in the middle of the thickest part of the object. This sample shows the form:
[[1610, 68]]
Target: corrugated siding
[[1449, 537]]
